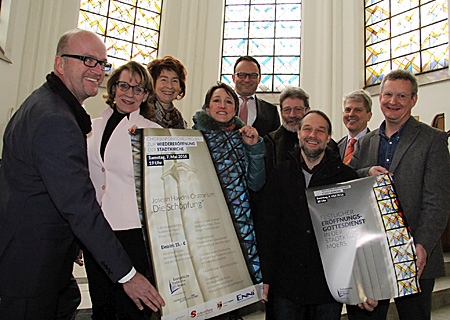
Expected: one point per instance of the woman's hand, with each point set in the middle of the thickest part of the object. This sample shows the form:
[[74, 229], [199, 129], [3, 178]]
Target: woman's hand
[[132, 130], [249, 135]]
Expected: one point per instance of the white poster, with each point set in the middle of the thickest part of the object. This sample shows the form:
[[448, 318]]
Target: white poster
[[366, 248], [199, 265]]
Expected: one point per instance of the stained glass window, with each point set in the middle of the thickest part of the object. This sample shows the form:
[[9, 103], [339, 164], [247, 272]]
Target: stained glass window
[[405, 34], [270, 32], [130, 28]]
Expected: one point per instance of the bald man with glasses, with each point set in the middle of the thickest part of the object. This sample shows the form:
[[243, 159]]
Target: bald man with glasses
[[48, 205]]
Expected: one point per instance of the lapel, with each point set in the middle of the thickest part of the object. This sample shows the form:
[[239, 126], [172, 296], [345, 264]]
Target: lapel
[[258, 108], [100, 128], [374, 145], [408, 136], [342, 146]]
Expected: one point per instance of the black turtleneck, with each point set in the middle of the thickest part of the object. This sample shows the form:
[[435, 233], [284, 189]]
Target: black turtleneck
[[112, 123]]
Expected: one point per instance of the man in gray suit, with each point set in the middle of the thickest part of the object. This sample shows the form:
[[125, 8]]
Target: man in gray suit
[[48, 203], [357, 113], [417, 156]]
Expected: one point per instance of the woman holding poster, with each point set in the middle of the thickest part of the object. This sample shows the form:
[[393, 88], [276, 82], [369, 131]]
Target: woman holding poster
[[219, 114], [112, 173]]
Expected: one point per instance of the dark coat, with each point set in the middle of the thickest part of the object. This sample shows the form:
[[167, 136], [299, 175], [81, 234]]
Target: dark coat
[[267, 117], [50, 201], [290, 258], [278, 145]]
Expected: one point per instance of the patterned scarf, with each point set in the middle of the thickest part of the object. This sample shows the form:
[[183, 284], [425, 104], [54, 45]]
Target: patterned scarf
[[170, 118]]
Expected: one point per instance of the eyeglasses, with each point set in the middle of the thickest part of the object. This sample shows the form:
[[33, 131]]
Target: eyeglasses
[[90, 62], [297, 110], [124, 86], [398, 96], [243, 75]]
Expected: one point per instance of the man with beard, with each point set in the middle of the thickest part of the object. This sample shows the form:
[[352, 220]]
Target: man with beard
[[294, 103], [357, 113], [290, 260]]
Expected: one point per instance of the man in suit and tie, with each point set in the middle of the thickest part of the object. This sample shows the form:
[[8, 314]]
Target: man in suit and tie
[[357, 113], [417, 156], [258, 113], [48, 202]]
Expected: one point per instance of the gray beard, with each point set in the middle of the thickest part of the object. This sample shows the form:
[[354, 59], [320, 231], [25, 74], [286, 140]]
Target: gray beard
[[290, 129]]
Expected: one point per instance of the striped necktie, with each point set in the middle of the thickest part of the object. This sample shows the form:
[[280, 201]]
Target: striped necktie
[[349, 152]]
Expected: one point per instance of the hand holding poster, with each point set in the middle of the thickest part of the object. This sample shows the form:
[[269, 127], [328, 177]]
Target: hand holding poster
[[366, 247], [201, 267]]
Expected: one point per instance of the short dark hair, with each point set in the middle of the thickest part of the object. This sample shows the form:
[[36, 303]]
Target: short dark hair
[[321, 113], [294, 92], [228, 89], [146, 109], [247, 58], [401, 74], [156, 66]]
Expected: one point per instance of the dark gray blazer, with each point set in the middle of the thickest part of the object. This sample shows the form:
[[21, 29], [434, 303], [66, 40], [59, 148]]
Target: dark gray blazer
[[267, 117], [342, 144], [421, 172], [48, 201]]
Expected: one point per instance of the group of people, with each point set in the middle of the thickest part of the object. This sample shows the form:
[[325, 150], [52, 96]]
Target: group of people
[[62, 192]]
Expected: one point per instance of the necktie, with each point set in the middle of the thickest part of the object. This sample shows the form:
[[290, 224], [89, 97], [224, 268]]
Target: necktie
[[349, 152], [243, 110]]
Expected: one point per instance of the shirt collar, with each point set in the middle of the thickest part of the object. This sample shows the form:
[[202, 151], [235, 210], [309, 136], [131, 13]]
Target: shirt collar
[[382, 129], [359, 135], [249, 97]]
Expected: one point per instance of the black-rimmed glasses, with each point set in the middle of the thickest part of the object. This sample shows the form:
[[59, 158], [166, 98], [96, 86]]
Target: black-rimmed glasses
[[243, 75], [90, 62], [124, 86]]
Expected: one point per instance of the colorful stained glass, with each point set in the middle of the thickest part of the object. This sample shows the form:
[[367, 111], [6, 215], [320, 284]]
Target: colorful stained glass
[[411, 35], [399, 6], [269, 31], [237, 13], [287, 27], [436, 58], [405, 22], [405, 44], [130, 28], [262, 12], [258, 47], [262, 29], [287, 47], [288, 12], [377, 12], [378, 32], [236, 29]]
